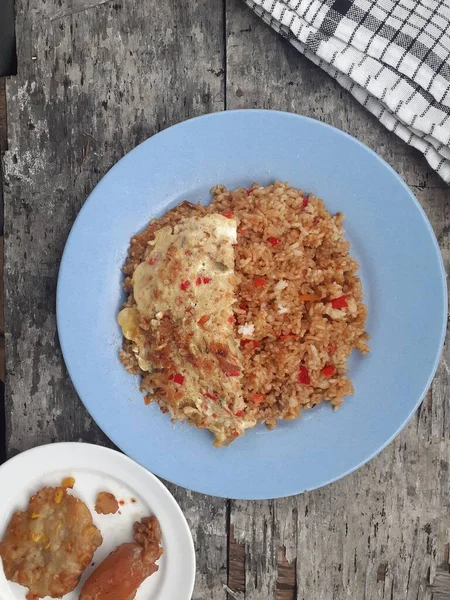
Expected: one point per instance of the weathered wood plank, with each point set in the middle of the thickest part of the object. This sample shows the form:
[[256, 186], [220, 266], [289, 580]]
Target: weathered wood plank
[[2, 345], [208, 519], [381, 532], [103, 104], [3, 142], [3, 134], [2, 320], [95, 79]]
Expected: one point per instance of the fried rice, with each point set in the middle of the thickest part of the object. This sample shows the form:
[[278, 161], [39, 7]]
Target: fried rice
[[299, 310]]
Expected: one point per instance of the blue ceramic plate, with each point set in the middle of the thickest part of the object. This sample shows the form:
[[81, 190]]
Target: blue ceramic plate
[[401, 271]]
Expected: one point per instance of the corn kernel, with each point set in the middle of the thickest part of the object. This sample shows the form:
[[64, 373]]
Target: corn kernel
[[68, 482], [59, 495], [35, 515], [36, 537]]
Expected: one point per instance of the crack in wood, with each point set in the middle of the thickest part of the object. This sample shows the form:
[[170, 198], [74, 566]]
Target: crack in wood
[[73, 10], [286, 584], [381, 572], [236, 563]]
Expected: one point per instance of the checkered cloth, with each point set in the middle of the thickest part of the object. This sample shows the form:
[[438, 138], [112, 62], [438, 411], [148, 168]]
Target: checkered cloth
[[393, 56]]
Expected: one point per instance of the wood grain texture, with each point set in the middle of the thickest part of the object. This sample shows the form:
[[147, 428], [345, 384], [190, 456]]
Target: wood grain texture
[[95, 79], [3, 121], [3, 143], [441, 586], [2, 320], [382, 532]]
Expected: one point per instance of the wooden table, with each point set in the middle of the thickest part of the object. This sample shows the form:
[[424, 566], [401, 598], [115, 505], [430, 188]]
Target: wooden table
[[96, 77]]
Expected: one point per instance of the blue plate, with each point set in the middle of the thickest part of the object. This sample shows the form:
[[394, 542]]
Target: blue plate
[[401, 270]]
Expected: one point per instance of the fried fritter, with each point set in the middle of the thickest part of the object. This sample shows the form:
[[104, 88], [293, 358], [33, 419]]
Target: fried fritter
[[47, 547], [122, 572], [106, 504]]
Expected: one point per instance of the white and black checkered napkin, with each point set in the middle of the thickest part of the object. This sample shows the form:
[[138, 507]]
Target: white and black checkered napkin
[[392, 55]]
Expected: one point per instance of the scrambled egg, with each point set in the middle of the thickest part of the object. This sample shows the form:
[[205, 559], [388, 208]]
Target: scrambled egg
[[182, 324]]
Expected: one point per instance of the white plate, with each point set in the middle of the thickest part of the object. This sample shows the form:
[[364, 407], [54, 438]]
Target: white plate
[[97, 469]]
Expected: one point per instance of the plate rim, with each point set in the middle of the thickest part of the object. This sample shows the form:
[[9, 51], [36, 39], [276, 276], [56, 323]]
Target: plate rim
[[425, 222], [109, 453]]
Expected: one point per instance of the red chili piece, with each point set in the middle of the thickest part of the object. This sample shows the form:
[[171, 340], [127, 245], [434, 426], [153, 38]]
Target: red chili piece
[[250, 191], [329, 371], [239, 413], [230, 369], [274, 241], [184, 285], [203, 319], [178, 378], [305, 202], [211, 397], [252, 343], [260, 281], [228, 214], [206, 279], [303, 375], [152, 261], [340, 302], [198, 281], [230, 319]]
